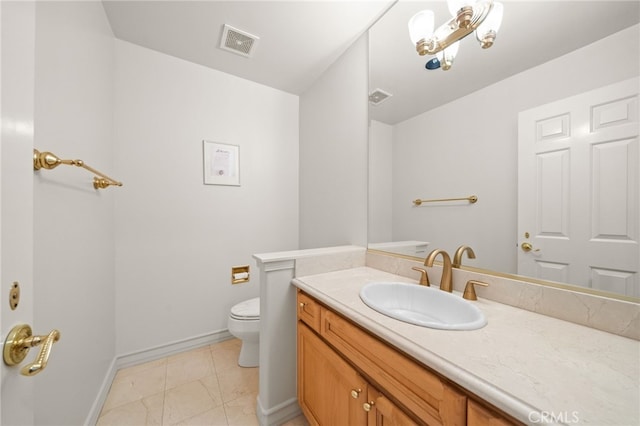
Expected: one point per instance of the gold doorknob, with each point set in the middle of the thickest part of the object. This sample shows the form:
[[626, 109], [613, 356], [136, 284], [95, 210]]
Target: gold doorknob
[[18, 342], [527, 247], [368, 406], [355, 393]]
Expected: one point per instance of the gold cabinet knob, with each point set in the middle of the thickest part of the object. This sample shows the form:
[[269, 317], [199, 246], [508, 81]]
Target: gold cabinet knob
[[18, 342], [301, 305], [368, 406], [355, 393]]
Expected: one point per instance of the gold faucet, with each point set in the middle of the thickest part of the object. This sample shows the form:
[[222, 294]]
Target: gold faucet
[[457, 258], [445, 281]]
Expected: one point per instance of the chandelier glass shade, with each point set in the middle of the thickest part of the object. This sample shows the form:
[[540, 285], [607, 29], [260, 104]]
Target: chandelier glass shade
[[480, 16], [446, 56]]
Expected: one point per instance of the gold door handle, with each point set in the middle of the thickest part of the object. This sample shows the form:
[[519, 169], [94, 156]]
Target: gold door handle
[[355, 393], [368, 406], [527, 247], [18, 342]]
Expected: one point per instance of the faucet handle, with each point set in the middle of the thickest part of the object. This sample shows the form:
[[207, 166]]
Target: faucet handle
[[470, 290], [424, 278]]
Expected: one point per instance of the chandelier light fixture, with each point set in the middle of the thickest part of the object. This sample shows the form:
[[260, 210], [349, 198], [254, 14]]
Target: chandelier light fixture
[[482, 16]]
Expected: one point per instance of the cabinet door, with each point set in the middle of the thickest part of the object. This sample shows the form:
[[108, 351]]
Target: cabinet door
[[477, 415], [383, 412], [330, 391]]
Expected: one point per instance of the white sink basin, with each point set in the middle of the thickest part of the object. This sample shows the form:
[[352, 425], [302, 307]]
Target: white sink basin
[[421, 305]]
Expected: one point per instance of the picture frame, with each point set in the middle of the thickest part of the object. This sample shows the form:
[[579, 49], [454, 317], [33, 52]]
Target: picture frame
[[221, 163]]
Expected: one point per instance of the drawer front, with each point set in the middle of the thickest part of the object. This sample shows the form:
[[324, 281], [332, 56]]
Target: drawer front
[[428, 397], [309, 311]]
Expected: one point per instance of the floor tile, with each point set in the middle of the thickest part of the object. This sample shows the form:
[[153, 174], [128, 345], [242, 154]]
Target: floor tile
[[145, 411], [238, 382], [298, 421], [213, 417], [135, 385], [186, 401], [187, 367], [242, 411], [200, 387], [213, 387], [225, 355]]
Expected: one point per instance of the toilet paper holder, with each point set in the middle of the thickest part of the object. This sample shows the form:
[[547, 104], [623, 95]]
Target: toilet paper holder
[[239, 274]]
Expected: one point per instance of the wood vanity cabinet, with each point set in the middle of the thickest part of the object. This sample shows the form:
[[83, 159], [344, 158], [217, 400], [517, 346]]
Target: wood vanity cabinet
[[383, 412], [330, 391], [309, 311], [346, 376], [479, 415]]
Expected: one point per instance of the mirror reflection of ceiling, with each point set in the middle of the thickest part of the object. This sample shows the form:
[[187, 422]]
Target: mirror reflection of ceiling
[[532, 32], [298, 40]]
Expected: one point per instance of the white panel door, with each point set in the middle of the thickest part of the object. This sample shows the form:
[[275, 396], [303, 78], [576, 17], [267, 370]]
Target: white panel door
[[579, 190], [17, 29]]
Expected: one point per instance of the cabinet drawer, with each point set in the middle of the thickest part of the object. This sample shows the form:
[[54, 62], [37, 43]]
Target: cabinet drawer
[[309, 311], [426, 395]]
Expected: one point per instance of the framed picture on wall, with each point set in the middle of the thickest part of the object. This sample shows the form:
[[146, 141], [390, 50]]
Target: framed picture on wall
[[221, 163]]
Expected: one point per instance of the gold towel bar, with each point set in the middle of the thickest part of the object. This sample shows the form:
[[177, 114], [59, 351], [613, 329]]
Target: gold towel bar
[[47, 160], [472, 199]]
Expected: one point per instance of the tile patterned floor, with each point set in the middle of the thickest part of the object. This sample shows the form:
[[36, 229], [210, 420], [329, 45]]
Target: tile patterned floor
[[204, 386]]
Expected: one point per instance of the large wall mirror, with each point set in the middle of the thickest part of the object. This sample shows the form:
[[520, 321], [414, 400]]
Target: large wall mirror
[[453, 134]]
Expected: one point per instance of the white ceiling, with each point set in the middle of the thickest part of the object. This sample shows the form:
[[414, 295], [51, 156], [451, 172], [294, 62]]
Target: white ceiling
[[300, 39]]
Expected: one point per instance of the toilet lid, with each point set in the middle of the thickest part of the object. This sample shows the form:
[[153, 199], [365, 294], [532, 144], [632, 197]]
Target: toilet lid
[[249, 309]]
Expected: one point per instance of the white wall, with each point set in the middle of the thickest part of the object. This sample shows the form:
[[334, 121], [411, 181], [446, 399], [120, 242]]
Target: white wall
[[380, 218], [333, 153], [73, 223], [469, 146], [176, 238]]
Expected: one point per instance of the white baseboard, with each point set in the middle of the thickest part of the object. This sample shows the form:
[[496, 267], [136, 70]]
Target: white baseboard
[[146, 355], [279, 414], [172, 348], [94, 413]]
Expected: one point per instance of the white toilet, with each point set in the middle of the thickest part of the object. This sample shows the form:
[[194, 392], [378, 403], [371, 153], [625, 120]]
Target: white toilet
[[244, 323]]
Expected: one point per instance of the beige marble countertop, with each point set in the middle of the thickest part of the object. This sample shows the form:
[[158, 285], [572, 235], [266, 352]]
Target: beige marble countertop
[[539, 369]]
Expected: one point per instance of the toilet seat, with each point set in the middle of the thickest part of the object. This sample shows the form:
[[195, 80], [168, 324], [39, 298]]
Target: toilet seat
[[247, 310]]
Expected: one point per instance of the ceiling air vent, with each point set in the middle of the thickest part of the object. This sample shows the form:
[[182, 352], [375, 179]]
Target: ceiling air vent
[[237, 41], [378, 96]]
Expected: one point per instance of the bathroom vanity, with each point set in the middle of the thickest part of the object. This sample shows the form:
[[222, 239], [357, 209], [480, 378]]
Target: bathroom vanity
[[346, 373], [546, 356], [358, 366]]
